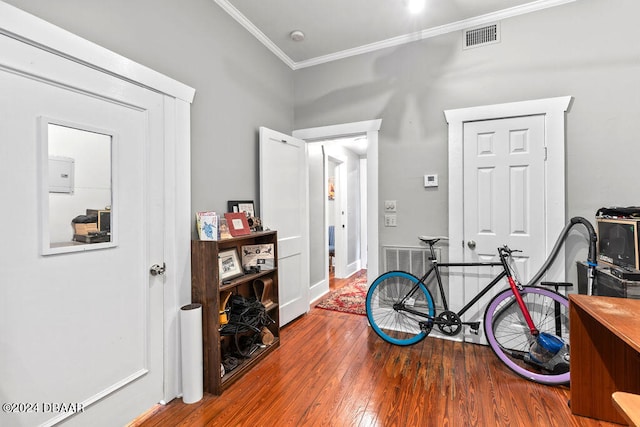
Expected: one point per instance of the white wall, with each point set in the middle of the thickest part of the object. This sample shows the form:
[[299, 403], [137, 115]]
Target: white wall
[[331, 203], [364, 185]]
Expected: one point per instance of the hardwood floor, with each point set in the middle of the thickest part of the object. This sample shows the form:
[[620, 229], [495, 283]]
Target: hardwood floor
[[332, 370]]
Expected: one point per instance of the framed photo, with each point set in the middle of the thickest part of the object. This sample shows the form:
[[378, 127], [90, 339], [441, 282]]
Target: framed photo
[[245, 206], [237, 223], [229, 264], [258, 256], [224, 229]]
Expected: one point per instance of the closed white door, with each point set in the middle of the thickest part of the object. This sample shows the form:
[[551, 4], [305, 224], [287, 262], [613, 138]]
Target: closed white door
[[504, 200], [284, 207], [82, 329]]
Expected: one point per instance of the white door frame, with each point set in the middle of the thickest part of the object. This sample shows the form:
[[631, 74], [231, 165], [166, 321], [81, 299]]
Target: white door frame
[[178, 97], [553, 109], [370, 128]]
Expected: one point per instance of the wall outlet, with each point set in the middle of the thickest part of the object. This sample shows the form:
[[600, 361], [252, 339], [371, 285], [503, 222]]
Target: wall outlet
[[390, 206], [390, 220]]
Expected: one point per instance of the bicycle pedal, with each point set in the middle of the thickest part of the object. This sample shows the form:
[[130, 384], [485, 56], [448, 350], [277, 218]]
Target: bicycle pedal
[[474, 327]]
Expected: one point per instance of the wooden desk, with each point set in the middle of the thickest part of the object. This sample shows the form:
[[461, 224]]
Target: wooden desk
[[605, 353], [628, 405]]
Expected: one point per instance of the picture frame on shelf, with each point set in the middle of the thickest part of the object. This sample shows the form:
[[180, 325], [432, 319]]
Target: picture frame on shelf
[[261, 256], [224, 229], [229, 264], [237, 223], [246, 206]]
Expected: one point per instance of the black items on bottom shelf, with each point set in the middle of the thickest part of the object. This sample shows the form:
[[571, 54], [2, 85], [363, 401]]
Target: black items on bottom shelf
[[247, 317]]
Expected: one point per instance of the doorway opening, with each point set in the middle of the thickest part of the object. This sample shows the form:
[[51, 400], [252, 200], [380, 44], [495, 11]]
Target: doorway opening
[[345, 218], [315, 137]]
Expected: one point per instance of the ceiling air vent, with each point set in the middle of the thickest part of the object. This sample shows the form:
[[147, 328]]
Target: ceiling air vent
[[480, 36]]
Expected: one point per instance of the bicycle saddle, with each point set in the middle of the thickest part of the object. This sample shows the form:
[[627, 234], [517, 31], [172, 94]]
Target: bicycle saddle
[[430, 240]]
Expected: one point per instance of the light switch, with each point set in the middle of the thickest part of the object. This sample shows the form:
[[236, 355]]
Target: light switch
[[390, 220]]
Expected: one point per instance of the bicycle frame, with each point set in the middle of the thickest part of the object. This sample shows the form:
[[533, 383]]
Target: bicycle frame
[[515, 288]]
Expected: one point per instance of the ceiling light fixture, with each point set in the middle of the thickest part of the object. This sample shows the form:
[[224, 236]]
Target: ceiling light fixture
[[297, 36], [416, 6]]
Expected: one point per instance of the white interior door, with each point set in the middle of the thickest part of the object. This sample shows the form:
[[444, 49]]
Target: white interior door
[[284, 207], [503, 199], [84, 328], [552, 111]]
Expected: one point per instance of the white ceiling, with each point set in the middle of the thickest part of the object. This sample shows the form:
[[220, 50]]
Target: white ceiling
[[337, 29], [357, 144]]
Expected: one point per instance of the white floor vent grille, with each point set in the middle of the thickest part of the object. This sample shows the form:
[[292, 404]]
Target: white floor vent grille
[[416, 261], [480, 36]]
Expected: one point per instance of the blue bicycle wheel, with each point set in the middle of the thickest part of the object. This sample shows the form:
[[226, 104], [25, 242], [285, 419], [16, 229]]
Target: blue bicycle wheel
[[399, 308], [543, 358]]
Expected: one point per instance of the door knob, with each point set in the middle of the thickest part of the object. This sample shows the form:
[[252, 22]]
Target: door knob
[[157, 270], [471, 244]]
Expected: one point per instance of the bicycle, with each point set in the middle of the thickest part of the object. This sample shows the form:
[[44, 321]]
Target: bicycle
[[527, 327]]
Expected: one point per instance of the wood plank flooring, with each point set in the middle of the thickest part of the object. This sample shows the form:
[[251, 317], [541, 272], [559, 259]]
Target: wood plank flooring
[[332, 370]]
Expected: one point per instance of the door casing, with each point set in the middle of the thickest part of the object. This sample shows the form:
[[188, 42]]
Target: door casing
[[369, 128]]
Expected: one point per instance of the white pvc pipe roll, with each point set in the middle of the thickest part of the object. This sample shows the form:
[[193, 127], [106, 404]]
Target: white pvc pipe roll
[[191, 348]]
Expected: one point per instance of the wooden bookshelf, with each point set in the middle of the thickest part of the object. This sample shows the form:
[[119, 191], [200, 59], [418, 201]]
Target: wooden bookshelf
[[206, 288]]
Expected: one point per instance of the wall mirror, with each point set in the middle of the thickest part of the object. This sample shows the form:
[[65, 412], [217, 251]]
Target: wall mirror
[[77, 187]]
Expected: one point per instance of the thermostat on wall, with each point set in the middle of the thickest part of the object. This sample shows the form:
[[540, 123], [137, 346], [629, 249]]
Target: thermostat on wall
[[431, 180]]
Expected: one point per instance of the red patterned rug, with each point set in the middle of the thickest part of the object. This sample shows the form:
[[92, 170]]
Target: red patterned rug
[[349, 298]]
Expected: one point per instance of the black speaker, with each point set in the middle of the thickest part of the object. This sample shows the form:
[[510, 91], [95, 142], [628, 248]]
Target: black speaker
[[618, 242], [104, 219]]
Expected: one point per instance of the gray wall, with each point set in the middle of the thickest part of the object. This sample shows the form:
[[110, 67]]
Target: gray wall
[[240, 85], [585, 49]]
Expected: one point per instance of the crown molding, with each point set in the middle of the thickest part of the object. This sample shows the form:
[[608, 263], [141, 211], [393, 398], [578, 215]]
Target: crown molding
[[392, 42], [248, 25]]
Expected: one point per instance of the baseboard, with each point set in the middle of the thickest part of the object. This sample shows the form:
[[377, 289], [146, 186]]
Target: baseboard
[[315, 301]]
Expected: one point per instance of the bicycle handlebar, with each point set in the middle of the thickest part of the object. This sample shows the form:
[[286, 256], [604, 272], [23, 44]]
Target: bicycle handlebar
[[505, 249]]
